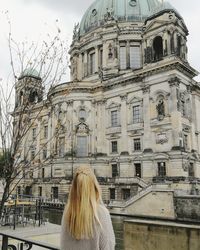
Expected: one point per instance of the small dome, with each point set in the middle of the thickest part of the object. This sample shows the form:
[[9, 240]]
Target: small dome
[[30, 72], [122, 10]]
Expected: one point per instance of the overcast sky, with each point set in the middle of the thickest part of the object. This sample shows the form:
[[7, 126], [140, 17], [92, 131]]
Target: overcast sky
[[31, 18]]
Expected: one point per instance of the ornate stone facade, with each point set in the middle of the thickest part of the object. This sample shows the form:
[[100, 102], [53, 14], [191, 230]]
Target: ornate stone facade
[[131, 110]]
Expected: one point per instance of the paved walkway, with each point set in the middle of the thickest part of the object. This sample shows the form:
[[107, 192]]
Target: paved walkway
[[48, 233]]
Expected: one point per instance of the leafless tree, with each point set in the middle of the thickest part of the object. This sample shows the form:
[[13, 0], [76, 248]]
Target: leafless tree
[[46, 63]]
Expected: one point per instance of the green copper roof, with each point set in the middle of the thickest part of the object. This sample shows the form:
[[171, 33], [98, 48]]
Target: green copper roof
[[30, 72], [122, 10]]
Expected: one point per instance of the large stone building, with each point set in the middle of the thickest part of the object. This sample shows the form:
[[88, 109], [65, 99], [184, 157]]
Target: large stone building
[[130, 111]]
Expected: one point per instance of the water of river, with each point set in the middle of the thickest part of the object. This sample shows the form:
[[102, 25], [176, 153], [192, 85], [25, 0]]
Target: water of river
[[54, 216]]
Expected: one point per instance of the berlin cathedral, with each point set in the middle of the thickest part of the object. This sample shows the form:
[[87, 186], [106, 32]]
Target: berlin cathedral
[[130, 110]]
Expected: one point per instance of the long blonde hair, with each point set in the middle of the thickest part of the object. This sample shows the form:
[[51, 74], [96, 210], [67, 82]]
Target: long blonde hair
[[81, 210]]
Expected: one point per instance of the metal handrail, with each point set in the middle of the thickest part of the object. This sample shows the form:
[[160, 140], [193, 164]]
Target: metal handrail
[[24, 243]]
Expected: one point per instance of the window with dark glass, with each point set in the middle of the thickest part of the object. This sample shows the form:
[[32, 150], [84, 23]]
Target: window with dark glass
[[112, 193], [54, 192], [138, 171], [136, 114], [34, 133], [92, 63], [101, 57], [32, 154], [43, 173], [126, 193], [82, 147], [39, 191], [45, 132], [185, 141], [115, 172], [44, 153], [191, 170], [114, 118], [137, 144], [161, 169], [182, 102], [114, 146]]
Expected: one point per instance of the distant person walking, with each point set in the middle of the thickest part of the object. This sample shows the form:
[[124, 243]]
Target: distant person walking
[[86, 223]]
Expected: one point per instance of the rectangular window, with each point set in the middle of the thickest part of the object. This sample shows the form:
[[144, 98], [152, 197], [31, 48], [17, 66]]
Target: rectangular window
[[114, 146], [114, 118], [92, 63], [34, 133], [191, 170], [44, 153], [185, 141], [136, 114], [183, 107], [101, 57], [122, 55], [137, 144], [32, 154], [39, 191], [82, 147], [126, 193], [161, 169], [115, 170], [43, 173], [135, 57], [54, 192], [138, 172], [112, 193], [45, 132]]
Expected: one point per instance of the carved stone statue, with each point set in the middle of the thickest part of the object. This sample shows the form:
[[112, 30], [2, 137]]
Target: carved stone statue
[[109, 16], [161, 109], [100, 73], [76, 31]]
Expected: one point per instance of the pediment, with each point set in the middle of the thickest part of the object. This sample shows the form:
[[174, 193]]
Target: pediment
[[113, 105], [161, 156], [134, 100], [155, 24]]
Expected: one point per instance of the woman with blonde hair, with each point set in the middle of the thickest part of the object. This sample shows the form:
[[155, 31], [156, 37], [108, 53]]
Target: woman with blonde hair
[[86, 223]]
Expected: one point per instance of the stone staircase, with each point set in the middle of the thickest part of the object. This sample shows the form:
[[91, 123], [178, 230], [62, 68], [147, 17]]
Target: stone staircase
[[146, 190]]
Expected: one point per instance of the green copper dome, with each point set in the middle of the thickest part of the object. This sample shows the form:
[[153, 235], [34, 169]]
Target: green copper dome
[[121, 10], [30, 72]]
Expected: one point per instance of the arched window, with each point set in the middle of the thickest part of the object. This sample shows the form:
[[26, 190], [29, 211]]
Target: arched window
[[158, 48]]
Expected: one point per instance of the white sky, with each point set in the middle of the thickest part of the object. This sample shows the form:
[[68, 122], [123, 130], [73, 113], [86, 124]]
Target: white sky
[[32, 18]]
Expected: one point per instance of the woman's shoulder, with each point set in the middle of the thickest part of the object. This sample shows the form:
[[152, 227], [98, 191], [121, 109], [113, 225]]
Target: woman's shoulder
[[103, 211]]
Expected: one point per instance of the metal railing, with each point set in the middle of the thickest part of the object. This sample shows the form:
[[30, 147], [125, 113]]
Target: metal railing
[[22, 243]]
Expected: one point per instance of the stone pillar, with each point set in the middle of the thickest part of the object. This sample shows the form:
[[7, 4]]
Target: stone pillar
[[147, 145], [38, 134], [79, 67], [85, 62], [173, 110], [194, 115], [49, 134], [123, 114], [96, 59]]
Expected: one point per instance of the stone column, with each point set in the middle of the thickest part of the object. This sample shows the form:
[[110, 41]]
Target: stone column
[[96, 59], [194, 115], [49, 133], [175, 114], [85, 62], [38, 134], [147, 145], [123, 116]]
